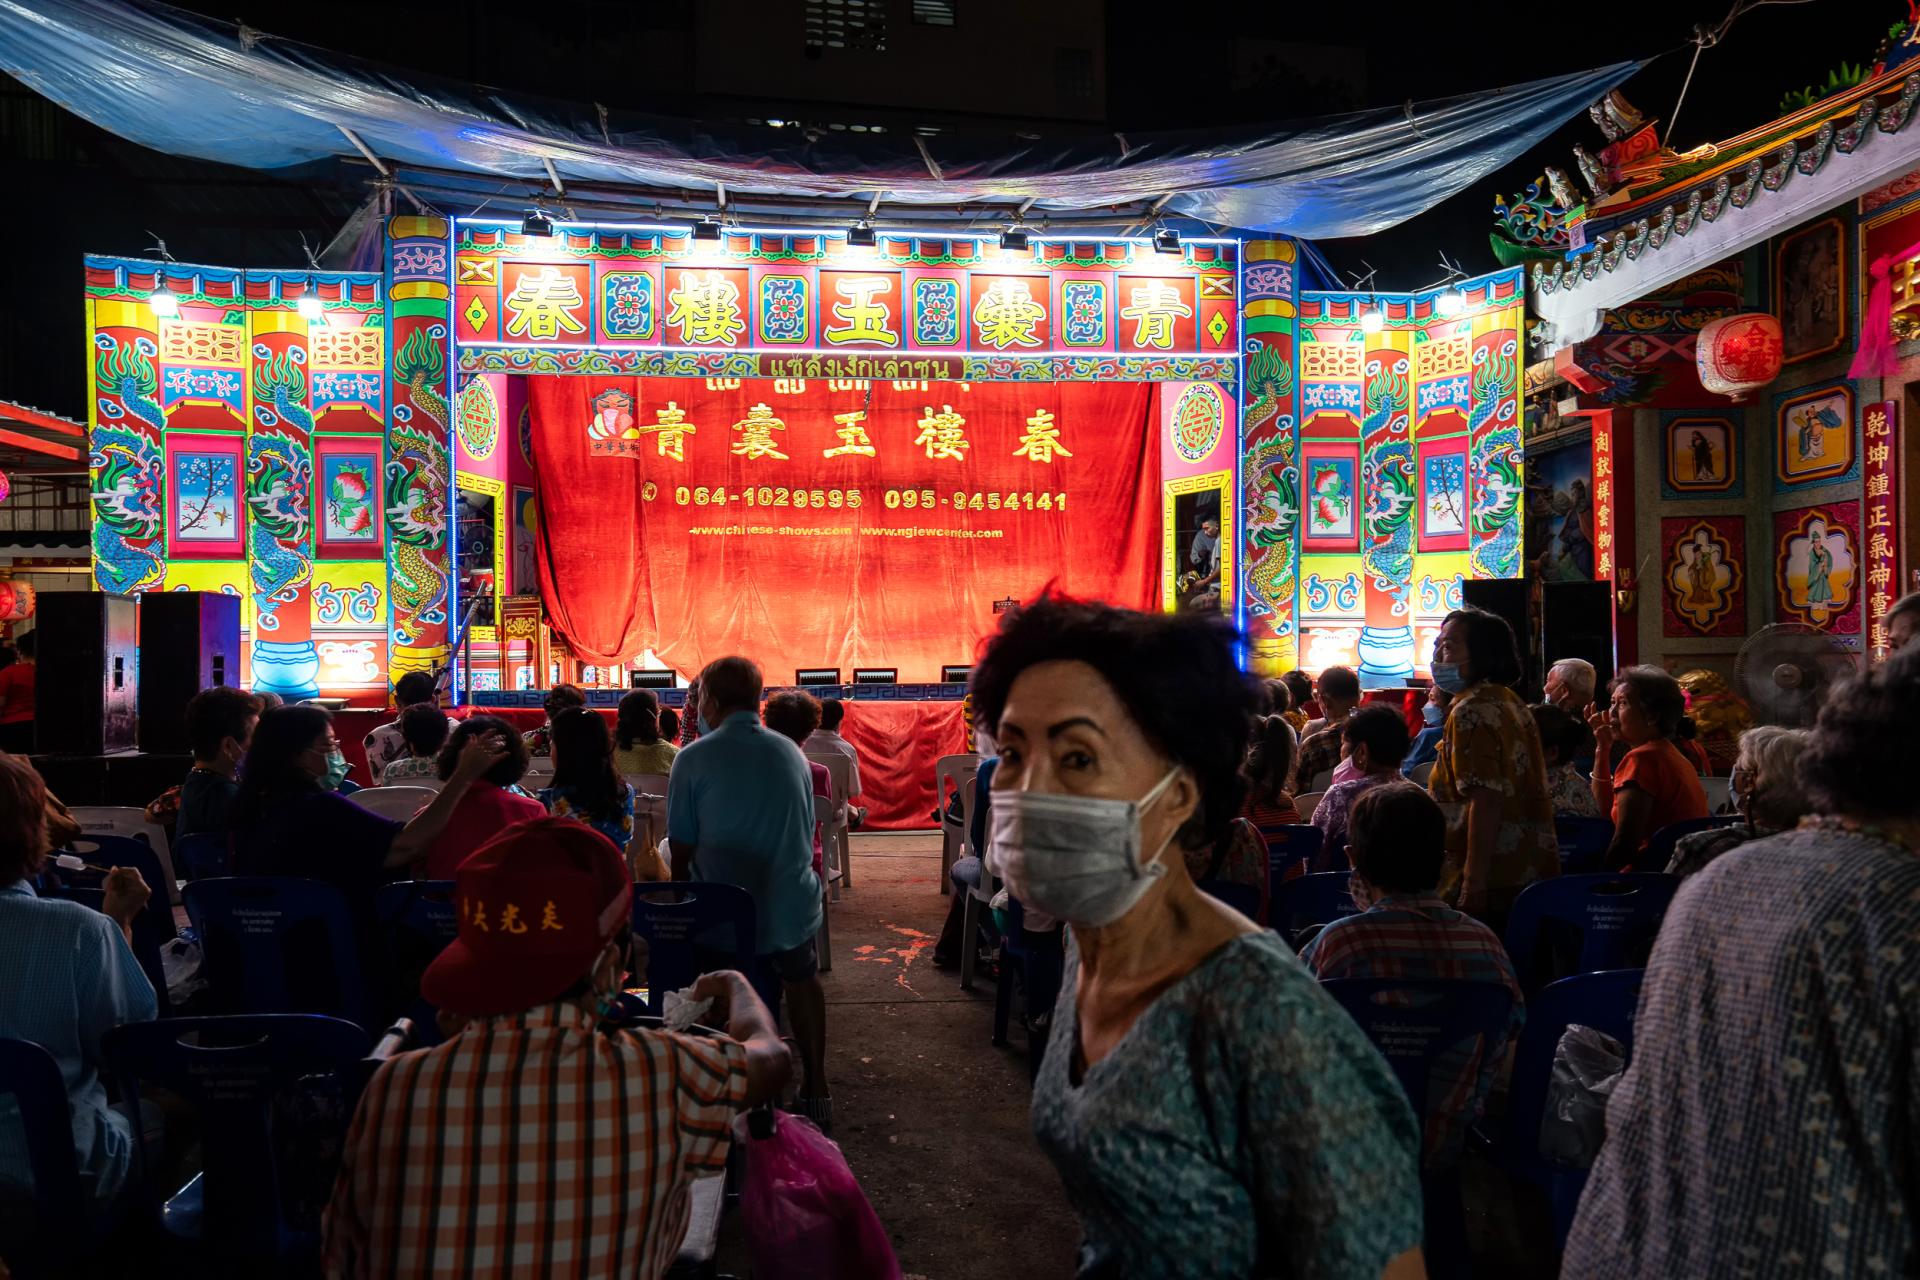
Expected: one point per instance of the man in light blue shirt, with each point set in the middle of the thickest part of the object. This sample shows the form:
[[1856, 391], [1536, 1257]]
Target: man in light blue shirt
[[71, 978], [740, 812]]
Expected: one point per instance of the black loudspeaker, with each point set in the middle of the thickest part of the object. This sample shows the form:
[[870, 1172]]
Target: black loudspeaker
[[88, 685], [189, 641], [1577, 619], [1508, 598]]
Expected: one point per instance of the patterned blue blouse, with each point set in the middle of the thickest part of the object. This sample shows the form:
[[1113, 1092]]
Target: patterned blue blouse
[[1242, 1127], [1765, 1124]]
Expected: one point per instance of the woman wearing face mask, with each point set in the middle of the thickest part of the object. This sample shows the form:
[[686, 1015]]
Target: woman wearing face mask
[[1766, 790], [287, 821], [1654, 786], [1433, 725], [1211, 1112], [1489, 775]]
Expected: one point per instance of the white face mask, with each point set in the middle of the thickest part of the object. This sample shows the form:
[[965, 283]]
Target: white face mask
[[1076, 858]]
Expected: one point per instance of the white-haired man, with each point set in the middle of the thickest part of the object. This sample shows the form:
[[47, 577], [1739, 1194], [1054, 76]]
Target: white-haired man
[[1570, 684]]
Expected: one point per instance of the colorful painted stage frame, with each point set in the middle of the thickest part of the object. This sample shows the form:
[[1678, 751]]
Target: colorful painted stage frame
[[321, 468]]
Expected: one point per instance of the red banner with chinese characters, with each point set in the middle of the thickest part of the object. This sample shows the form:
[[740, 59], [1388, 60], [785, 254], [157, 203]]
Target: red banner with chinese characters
[[1881, 518], [813, 523], [1603, 495]]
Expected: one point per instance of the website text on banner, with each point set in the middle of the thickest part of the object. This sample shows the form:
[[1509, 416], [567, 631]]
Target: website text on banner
[[813, 523]]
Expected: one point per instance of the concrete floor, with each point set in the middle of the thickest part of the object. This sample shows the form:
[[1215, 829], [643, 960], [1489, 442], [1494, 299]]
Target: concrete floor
[[932, 1117]]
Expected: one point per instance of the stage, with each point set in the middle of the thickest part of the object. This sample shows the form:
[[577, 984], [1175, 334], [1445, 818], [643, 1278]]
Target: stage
[[899, 741]]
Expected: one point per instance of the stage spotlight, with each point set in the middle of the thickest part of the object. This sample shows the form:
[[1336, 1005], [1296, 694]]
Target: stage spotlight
[[1373, 320], [646, 678], [164, 301], [708, 228], [536, 225], [308, 304], [1450, 303], [1016, 239], [1166, 240], [861, 235]]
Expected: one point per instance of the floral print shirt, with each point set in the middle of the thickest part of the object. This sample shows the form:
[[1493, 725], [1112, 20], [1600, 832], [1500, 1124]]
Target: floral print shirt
[[1572, 792], [1491, 742]]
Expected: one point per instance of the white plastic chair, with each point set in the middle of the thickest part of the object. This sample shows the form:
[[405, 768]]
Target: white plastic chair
[[397, 803], [837, 831], [1321, 781], [650, 792], [979, 899], [830, 864], [950, 771], [1306, 802], [1719, 793], [124, 820], [539, 773], [1421, 773]]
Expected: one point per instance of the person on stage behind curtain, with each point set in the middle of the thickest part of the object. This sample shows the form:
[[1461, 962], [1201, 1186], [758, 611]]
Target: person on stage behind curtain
[[740, 812], [1287, 1147], [833, 713], [1656, 785], [1433, 724], [1565, 739], [559, 698], [219, 729], [493, 802], [1765, 1122], [424, 730], [585, 785], [1490, 776], [17, 681], [386, 744], [794, 716], [640, 745]]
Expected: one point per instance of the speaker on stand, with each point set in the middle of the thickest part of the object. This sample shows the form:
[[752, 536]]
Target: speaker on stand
[[88, 673], [189, 641]]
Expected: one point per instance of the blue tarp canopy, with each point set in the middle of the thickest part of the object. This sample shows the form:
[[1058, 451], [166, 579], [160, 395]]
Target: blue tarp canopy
[[191, 86]]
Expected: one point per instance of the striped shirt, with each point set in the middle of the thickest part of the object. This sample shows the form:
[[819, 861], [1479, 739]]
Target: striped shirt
[[1420, 938], [532, 1144]]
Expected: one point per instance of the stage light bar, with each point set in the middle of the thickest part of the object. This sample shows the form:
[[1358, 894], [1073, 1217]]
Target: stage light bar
[[861, 235], [876, 675], [1016, 240], [1373, 320], [816, 676], [1166, 240], [1450, 303], [308, 304], [165, 302], [644, 679], [536, 225], [952, 674], [707, 229]]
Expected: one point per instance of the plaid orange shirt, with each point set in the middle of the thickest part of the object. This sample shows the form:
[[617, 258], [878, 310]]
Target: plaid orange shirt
[[532, 1144]]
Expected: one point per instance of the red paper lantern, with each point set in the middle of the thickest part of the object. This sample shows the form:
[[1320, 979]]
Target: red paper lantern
[[1738, 355], [16, 601]]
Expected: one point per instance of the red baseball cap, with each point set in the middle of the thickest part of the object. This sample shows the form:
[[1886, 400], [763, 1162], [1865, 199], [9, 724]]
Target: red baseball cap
[[537, 903]]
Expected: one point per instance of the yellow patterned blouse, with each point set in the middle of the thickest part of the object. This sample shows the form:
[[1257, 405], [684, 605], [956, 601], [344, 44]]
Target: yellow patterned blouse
[[1491, 742]]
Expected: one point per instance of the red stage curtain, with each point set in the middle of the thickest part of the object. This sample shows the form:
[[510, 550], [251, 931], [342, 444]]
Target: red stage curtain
[[771, 567], [898, 742]]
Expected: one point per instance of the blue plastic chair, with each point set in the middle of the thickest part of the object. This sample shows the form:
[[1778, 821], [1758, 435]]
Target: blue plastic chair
[[202, 856], [30, 1079], [417, 918], [1659, 847], [1605, 1001], [1296, 845], [1305, 901], [1244, 898], [677, 920], [1583, 923], [274, 1094], [153, 928], [1412, 1024], [1583, 843], [1040, 970], [277, 944]]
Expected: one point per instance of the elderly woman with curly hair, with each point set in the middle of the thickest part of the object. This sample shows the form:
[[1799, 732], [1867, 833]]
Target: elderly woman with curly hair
[[1211, 1111], [1766, 789], [1655, 785], [1769, 1103]]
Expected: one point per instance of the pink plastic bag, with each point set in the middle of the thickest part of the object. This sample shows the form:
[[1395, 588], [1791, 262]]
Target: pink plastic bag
[[805, 1215]]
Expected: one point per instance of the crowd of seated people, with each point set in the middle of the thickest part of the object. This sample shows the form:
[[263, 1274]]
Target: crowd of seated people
[[388, 742], [1338, 693], [825, 739], [1102, 761], [641, 742]]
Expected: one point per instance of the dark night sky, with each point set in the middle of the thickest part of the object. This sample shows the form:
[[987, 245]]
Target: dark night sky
[[83, 190]]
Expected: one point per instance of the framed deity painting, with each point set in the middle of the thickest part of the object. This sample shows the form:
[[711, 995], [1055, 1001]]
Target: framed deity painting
[[1809, 295], [1329, 478], [1813, 436], [1702, 456], [1817, 566], [1705, 593], [349, 502], [206, 508]]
